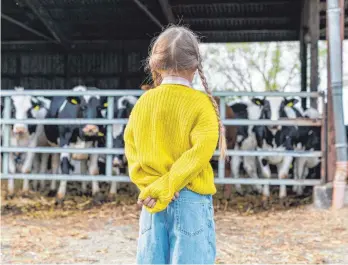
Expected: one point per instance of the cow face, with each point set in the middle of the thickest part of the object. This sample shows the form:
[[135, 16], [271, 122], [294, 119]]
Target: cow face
[[260, 109], [91, 108], [27, 107]]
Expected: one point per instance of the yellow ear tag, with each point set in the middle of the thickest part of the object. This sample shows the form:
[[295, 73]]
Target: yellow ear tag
[[100, 134], [290, 104], [74, 101], [105, 105], [37, 107], [258, 102]]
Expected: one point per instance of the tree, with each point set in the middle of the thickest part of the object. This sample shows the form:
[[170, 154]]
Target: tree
[[251, 66]]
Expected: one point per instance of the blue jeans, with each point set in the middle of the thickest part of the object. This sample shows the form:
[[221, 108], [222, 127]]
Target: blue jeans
[[184, 233]]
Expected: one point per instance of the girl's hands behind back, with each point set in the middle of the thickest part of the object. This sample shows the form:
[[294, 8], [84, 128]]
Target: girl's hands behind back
[[151, 202]]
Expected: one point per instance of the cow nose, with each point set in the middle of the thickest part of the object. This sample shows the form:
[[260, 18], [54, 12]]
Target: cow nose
[[91, 129], [116, 162], [20, 130], [275, 127]]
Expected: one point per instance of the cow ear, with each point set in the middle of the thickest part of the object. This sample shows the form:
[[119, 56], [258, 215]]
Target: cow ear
[[35, 103], [291, 102], [73, 100], [104, 102], [257, 101]]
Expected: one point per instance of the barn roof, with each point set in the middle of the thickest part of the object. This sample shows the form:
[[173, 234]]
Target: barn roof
[[69, 21]]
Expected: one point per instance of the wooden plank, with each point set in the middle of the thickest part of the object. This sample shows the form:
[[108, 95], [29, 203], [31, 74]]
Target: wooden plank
[[314, 29], [167, 10]]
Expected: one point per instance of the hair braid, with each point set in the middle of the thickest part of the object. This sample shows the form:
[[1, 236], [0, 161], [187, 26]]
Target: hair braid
[[157, 79], [222, 138]]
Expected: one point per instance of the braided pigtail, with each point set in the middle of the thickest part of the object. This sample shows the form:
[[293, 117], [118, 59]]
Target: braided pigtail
[[222, 138]]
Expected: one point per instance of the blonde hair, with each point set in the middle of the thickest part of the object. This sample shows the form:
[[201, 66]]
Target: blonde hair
[[176, 49]]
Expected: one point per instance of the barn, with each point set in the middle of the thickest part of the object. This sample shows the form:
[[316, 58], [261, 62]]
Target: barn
[[56, 45]]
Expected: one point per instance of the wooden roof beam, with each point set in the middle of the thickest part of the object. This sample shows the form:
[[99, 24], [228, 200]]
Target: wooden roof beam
[[37, 8], [23, 26], [167, 10], [148, 13]]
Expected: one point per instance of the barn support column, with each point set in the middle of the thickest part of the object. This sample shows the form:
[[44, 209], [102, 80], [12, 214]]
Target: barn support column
[[304, 48], [335, 192], [314, 30]]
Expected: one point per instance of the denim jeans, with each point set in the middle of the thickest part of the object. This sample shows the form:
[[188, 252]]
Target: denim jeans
[[184, 233]]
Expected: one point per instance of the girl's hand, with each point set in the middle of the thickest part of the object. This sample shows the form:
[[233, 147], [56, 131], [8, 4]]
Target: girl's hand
[[150, 202]]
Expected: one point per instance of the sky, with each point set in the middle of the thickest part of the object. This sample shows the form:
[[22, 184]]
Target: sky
[[217, 80]]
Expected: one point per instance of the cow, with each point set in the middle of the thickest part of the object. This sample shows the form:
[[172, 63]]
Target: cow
[[309, 139], [23, 135], [122, 109], [254, 109], [76, 136], [279, 138]]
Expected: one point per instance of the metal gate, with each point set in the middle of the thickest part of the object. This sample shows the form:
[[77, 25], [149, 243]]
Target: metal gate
[[7, 121]]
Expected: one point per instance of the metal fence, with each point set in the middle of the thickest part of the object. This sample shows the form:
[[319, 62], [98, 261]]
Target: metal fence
[[7, 121]]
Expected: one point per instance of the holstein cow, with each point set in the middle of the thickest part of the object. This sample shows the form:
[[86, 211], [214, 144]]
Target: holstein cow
[[73, 135], [309, 139], [122, 109], [26, 107], [279, 138], [254, 109]]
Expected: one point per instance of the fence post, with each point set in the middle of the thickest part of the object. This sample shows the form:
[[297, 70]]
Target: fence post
[[110, 116], [6, 138], [221, 167]]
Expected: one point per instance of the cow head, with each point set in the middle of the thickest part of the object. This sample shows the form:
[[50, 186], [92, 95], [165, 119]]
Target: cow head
[[259, 109], [27, 107], [92, 108], [282, 107]]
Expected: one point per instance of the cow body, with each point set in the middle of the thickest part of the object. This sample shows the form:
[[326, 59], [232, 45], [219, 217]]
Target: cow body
[[75, 136], [256, 108], [122, 110], [309, 139], [22, 135], [278, 138]]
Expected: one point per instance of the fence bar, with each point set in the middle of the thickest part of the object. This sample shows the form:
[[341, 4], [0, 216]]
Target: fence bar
[[117, 151], [283, 122], [6, 135], [72, 177], [221, 164], [110, 116], [131, 92], [324, 143]]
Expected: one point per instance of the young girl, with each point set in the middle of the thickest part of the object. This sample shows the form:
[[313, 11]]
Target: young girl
[[170, 138]]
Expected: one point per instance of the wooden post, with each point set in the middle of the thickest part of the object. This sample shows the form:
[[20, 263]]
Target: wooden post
[[314, 32], [303, 49]]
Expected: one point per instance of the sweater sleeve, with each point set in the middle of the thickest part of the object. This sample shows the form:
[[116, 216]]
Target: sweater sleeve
[[204, 137], [136, 173]]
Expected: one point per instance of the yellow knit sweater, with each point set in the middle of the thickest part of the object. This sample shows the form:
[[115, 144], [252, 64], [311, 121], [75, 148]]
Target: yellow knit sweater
[[170, 138]]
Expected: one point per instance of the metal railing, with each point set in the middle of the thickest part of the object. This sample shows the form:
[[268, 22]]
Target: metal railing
[[109, 121]]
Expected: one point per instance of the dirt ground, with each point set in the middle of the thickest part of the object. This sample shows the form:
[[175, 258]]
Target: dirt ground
[[36, 231]]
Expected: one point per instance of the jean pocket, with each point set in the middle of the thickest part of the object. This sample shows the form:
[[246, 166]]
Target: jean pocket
[[189, 217], [145, 221]]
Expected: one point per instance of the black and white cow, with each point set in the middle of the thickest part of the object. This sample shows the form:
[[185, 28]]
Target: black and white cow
[[122, 110], [279, 138], [254, 109], [309, 139], [23, 135], [74, 135]]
